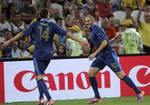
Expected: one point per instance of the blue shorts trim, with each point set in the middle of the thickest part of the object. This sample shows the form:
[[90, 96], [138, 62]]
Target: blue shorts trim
[[40, 66], [37, 71]]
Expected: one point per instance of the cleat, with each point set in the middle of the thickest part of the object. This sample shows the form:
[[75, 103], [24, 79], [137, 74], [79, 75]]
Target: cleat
[[94, 100], [41, 102], [50, 102], [140, 96]]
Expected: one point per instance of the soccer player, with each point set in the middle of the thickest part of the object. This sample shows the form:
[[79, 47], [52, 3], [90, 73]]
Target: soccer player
[[43, 31], [104, 55]]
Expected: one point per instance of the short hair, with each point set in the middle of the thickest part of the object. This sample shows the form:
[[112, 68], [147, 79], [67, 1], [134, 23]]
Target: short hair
[[43, 13], [6, 30], [90, 16], [29, 9]]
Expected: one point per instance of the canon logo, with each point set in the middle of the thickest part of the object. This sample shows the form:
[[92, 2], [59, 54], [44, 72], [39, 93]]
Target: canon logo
[[140, 75], [64, 80]]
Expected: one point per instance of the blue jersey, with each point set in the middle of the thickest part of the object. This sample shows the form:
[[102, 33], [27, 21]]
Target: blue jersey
[[97, 35], [44, 32], [107, 56]]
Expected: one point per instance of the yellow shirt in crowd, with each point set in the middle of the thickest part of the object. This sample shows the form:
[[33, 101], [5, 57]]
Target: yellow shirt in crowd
[[145, 33]]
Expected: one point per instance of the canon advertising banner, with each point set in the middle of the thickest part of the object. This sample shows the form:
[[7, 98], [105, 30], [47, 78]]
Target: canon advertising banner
[[68, 79]]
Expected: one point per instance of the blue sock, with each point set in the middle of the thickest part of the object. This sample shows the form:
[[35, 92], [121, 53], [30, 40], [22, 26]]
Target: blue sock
[[40, 90], [130, 83], [44, 89], [93, 82]]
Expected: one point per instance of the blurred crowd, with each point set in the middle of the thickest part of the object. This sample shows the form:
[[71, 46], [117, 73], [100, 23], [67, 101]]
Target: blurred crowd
[[128, 33]]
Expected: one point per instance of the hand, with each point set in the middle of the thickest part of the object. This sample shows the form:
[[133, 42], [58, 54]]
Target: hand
[[5, 44], [92, 56]]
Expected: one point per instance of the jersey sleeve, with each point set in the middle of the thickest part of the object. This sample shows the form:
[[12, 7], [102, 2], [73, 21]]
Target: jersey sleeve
[[58, 30], [29, 30], [100, 34]]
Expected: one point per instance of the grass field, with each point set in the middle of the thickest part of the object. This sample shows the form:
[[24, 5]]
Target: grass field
[[106, 101]]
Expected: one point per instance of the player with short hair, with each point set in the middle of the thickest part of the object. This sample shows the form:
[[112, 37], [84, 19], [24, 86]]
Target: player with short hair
[[104, 55], [44, 32]]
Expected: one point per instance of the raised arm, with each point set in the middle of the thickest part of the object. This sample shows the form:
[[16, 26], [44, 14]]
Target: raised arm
[[139, 13], [73, 37], [17, 37]]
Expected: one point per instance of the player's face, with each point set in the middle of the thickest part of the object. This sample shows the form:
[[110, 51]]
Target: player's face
[[27, 18], [88, 22]]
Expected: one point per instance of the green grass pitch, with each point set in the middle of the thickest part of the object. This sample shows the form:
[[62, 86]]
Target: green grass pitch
[[106, 101]]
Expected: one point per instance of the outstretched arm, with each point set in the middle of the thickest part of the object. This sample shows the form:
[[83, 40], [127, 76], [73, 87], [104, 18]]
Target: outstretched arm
[[75, 38], [17, 37]]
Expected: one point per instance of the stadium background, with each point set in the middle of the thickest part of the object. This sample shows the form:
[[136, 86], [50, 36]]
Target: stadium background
[[17, 82]]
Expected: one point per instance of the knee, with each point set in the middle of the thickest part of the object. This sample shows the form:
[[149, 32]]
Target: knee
[[92, 72], [120, 74], [39, 77]]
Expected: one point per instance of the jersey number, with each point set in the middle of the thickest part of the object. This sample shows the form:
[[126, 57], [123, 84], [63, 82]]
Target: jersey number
[[44, 33]]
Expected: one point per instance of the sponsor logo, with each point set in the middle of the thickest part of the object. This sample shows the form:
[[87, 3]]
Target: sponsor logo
[[138, 69], [65, 80], [140, 75]]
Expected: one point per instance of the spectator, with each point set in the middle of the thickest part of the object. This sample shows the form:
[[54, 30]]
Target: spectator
[[22, 47], [109, 29], [144, 28], [15, 24], [131, 39], [66, 8], [54, 12], [41, 3], [61, 50], [6, 52], [15, 51], [51, 15], [98, 19], [57, 38], [3, 23], [6, 4], [68, 21], [128, 16], [58, 8], [77, 21], [74, 48], [105, 8], [131, 3], [18, 5], [116, 5]]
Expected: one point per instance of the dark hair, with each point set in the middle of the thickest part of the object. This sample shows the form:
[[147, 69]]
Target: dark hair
[[29, 9], [6, 30], [129, 7], [44, 13]]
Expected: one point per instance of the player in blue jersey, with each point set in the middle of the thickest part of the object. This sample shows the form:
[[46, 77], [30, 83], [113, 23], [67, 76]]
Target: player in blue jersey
[[104, 55], [43, 31]]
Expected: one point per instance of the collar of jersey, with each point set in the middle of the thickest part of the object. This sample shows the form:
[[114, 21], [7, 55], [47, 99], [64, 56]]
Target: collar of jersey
[[45, 20]]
